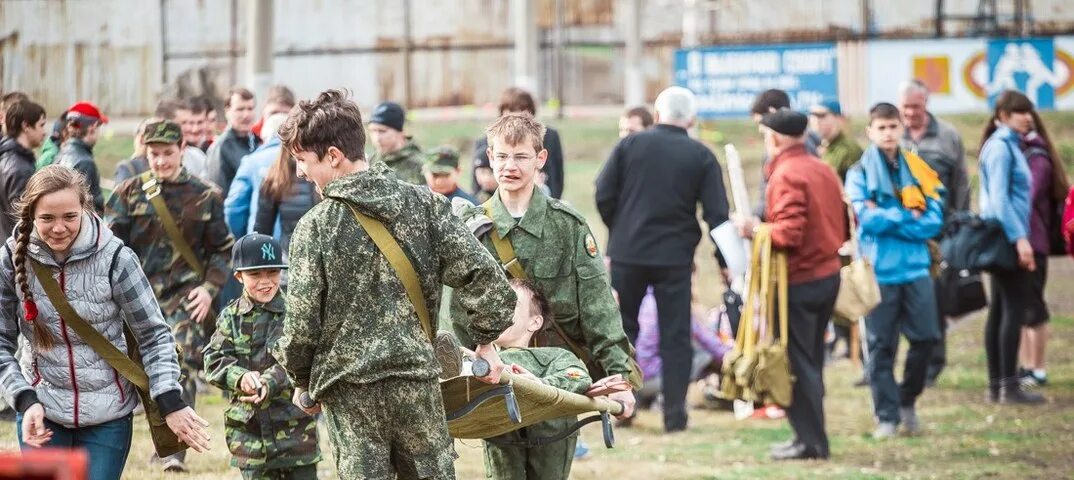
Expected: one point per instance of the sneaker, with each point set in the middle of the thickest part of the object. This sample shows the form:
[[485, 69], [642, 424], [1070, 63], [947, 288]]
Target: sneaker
[[909, 420], [1030, 379], [1011, 392], [449, 354], [174, 465], [885, 431]]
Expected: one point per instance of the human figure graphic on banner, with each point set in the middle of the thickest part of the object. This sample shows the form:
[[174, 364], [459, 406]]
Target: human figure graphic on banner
[[1039, 73], [1003, 75]]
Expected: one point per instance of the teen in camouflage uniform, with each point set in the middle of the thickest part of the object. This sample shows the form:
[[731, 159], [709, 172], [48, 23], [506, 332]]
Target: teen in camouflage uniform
[[393, 146], [556, 250], [351, 336], [185, 296], [551, 366], [268, 436]]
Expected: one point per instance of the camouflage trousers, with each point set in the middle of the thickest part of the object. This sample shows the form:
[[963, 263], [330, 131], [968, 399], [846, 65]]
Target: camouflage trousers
[[548, 462], [191, 339], [387, 428], [305, 472]]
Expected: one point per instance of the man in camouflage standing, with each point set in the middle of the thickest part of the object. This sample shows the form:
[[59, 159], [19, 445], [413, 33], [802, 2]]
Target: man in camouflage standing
[[354, 339], [551, 245], [183, 249], [394, 147]]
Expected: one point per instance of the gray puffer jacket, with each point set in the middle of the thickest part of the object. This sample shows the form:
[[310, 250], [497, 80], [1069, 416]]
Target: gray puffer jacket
[[105, 285]]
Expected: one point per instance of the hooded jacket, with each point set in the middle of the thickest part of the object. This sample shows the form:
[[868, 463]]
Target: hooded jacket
[[105, 285], [16, 168], [348, 315]]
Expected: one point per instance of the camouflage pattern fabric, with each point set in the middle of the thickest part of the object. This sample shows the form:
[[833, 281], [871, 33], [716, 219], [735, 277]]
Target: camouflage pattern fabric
[[274, 434], [349, 318], [406, 162], [198, 209], [388, 428], [558, 368], [308, 472], [557, 250]]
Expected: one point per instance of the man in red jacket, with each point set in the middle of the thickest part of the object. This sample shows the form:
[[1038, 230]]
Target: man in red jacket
[[809, 221]]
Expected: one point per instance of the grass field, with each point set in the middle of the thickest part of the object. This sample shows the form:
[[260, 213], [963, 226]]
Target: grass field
[[965, 437]]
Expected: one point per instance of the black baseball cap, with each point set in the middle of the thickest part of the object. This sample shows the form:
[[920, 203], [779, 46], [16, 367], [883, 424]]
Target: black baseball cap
[[389, 114], [256, 251]]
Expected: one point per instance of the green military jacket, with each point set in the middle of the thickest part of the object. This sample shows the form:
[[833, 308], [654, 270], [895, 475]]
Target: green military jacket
[[559, 255], [348, 314], [406, 162], [275, 433], [198, 209], [555, 367], [841, 152]]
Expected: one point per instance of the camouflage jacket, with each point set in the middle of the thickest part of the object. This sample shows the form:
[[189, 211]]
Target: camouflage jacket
[[406, 162], [555, 367], [348, 315], [559, 255], [275, 433], [198, 209]]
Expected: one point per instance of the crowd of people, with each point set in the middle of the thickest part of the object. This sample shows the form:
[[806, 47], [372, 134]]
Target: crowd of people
[[308, 279]]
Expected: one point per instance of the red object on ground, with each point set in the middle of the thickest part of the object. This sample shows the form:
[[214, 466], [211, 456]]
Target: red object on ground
[[44, 464]]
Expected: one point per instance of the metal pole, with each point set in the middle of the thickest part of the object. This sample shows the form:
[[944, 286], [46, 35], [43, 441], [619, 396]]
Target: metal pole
[[561, 12], [634, 91], [407, 83], [163, 42], [233, 44], [524, 21], [259, 46]]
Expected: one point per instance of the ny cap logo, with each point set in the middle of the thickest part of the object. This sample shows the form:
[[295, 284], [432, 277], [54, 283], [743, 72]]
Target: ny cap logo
[[267, 252]]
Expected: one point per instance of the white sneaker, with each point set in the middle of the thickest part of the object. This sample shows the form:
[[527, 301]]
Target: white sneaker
[[909, 420], [884, 431]]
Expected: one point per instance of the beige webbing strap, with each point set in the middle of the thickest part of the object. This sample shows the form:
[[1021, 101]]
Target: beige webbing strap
[[115, 358], [404, 269], [151, 187], [504, 249]]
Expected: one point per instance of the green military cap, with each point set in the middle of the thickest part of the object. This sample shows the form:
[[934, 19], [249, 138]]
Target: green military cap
[[442, 159], [164, 131]]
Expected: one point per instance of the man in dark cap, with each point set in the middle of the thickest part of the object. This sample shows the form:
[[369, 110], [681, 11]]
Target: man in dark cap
[[442, 172], [803, 195], [394, 147]]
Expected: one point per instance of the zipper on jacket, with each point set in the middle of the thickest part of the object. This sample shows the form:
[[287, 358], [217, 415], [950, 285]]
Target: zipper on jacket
[[122, 394], [70, 351], [37, 375]]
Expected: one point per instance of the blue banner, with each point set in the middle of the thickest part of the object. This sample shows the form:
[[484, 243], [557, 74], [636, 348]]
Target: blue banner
[[1026, 65], [727, 79]]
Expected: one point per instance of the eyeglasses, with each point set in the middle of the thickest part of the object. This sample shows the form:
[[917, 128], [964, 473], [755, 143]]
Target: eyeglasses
[[519, 158]]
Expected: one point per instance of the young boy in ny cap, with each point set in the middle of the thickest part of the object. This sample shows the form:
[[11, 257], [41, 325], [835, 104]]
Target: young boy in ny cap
[[553, 366], [442, 172], [267, 435], [394, 147]]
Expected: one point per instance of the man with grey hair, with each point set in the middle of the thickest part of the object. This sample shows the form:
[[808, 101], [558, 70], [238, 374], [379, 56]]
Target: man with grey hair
[[647, 195], [940, 145]]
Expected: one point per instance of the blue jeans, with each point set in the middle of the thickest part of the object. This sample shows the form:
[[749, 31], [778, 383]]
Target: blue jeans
[[106, 444]]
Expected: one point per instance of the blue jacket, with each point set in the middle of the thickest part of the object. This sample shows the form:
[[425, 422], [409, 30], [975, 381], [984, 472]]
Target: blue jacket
[[240, 206], [890, 237], [1005, 183]]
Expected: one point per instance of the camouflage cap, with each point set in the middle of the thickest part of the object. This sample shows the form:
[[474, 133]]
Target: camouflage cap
[[164, 131], [442, 159]]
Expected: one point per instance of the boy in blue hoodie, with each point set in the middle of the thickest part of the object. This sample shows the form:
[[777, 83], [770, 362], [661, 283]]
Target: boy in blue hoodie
[[899, 205]]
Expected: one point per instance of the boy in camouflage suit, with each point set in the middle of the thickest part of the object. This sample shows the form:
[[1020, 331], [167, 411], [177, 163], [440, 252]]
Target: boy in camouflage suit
[[551, 366], [553, 248], [352, 337], [185, 291], [268, 436]]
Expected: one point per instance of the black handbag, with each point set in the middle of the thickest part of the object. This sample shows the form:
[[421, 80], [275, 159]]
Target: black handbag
[[960, 292], [972, 243]]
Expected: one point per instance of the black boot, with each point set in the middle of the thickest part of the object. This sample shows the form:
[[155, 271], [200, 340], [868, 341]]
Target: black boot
[[992, 394], [1011, 393]]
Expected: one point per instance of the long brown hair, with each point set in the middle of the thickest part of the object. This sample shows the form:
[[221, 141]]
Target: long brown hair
[[280, 177], [1013, 101], [51, 179]]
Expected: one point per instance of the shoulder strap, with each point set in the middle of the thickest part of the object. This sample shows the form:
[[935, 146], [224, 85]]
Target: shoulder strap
[[151, 187], [404, 269], [504, 249], [117, 359]]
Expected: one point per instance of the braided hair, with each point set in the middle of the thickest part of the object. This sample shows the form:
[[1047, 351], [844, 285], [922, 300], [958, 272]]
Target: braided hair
[[48, 180]]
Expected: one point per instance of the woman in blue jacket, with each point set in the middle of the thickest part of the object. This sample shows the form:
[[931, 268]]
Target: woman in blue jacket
[[1004, 196]]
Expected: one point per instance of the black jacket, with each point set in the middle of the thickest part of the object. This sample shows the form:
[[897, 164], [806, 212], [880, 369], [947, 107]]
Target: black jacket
[[16, 168], [225, 155], [647, 195], [77, 155], [553, 167], [298, 201]]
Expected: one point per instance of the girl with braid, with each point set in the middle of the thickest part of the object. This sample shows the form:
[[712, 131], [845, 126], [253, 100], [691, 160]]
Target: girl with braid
[[65, 393]]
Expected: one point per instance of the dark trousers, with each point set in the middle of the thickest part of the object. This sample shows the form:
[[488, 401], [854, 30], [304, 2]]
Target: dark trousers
[[911, 309], [1011, 301], [809, 308], [107, 444], [939, 351], [671, 287]]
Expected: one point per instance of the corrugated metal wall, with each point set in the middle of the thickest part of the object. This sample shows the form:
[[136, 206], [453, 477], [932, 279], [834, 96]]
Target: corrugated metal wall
[[126, 54]]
